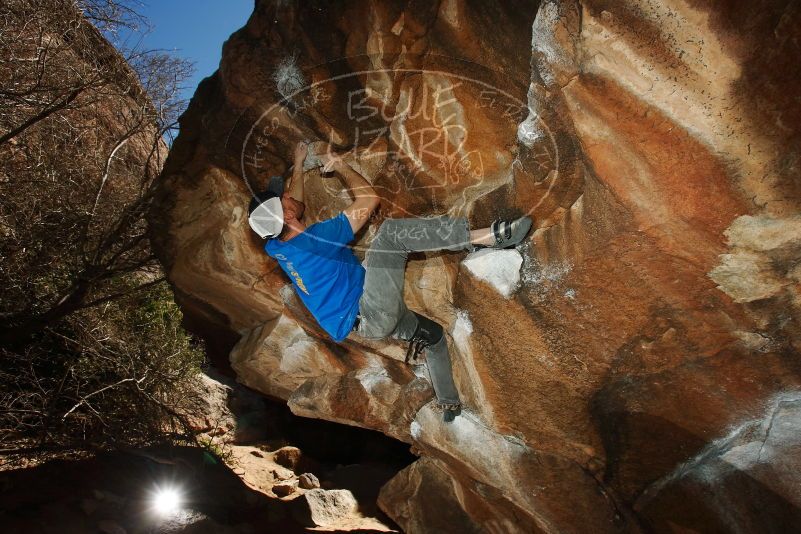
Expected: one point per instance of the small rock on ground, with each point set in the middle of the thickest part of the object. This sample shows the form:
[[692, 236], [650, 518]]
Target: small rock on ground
[[308, 481], [288, 457], [319, 507], [284, 489]]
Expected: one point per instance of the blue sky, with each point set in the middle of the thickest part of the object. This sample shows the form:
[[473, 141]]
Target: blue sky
[[197, 29]]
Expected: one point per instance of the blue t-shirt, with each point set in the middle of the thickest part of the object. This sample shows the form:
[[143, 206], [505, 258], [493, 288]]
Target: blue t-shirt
[[326, 274]]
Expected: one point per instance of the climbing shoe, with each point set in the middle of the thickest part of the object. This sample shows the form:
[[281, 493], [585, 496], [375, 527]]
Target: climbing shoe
[[449, 411], [508, 233]]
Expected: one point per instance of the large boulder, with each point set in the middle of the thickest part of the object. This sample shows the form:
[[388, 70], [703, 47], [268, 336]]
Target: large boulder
[[325, 508], [656, 307]]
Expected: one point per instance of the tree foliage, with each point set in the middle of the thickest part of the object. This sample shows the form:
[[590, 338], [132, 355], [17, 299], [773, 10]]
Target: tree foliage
[[88, 333]]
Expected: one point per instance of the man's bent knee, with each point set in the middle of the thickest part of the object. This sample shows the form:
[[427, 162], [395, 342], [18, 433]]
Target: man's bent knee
[[378, 325], [429, 331], [388, 228]]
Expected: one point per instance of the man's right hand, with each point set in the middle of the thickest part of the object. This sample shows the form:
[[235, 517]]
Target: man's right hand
[[301, 149]]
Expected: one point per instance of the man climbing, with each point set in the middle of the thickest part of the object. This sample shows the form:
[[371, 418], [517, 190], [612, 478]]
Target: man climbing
[[345, 296]]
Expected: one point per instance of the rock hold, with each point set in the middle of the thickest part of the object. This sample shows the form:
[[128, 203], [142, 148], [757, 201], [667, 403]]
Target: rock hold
[[324, 508], [499, 268]]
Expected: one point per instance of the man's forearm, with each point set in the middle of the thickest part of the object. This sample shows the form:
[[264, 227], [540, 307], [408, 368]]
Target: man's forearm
[[355, 182], [365, 199], [296, 182]]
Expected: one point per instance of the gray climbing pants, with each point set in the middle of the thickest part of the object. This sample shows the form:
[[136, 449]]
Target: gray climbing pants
[[382, 310]]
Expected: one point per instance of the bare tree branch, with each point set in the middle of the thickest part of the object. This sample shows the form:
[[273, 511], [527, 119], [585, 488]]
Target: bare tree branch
[[84, 307], [83, 401], [58, 105]]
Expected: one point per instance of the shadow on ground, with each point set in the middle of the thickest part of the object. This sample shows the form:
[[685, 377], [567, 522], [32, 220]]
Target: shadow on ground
[[113, 493]]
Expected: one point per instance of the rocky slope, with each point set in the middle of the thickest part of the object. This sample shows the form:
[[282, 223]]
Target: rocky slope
[[640, 349]]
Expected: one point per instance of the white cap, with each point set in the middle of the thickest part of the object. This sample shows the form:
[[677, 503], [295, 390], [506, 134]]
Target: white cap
[[267, 219]]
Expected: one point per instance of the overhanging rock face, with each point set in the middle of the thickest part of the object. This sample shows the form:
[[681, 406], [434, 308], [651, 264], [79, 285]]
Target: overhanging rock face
[[656, 309]]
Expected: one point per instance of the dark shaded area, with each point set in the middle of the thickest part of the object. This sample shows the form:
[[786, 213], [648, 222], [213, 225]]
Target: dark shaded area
[[646, 451], [206, 323], [641, 439], [334, 443], [341, 456], [345, 457], [734, 503], [117, 489]]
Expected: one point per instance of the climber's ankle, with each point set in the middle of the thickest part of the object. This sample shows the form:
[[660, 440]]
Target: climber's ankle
[[482, 236]]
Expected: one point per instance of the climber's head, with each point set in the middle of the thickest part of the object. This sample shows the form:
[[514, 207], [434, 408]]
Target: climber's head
[[266, 211], [272, 210]]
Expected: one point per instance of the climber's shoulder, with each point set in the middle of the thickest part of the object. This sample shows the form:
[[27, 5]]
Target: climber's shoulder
[[336, 230]]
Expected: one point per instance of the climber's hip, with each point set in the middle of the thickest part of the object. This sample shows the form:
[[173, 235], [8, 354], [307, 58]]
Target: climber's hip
[[382, 312]]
